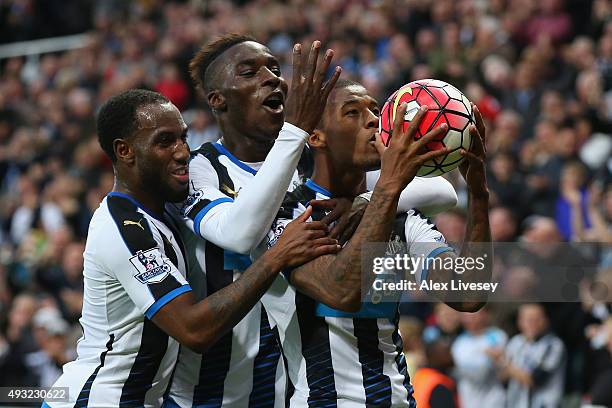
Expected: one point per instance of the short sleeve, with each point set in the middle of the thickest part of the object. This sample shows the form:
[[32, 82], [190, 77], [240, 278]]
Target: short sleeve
[[149, 278], [424, 241], [205, 196], [132, 253]]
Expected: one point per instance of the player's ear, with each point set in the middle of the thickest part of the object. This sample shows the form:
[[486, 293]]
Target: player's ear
[[317, 139], [124, 151], [216, 101]]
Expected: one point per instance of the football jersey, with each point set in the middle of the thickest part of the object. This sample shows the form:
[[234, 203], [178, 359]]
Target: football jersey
[[244, 368], [134, 264], [336, 358]]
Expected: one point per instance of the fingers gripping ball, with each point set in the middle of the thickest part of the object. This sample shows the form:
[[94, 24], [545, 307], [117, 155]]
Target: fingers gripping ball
[[446, 104]]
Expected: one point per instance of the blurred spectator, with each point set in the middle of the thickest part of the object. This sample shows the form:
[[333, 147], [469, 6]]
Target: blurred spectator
[[503, 224], [202, 129], [446, 324], [51, 336], [452, 224], [572, 202], [533, 362], [475, 370], [18, 342], [411, 330], [433, 386]]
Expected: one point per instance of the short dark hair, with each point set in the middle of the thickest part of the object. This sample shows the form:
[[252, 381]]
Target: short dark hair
[[117, 116], [345, 83], [207, 55]]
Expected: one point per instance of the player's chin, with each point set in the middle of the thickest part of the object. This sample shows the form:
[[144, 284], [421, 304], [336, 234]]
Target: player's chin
[[177, 192], [371, 162], [269, 132]]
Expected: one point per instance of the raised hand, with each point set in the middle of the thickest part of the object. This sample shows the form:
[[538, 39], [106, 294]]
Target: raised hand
[[401, 161], [308, 93], [473, 167], [303, 241]]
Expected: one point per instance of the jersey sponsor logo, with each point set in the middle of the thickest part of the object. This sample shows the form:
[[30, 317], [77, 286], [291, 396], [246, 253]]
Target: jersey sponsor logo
[[150, 266], [137, 223]]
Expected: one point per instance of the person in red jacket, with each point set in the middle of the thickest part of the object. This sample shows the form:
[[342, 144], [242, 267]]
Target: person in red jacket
[[433, 388]]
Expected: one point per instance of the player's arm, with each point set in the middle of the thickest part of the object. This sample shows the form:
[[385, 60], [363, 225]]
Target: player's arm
[[250, 215], [477, 239], [335, 280], [162, 294], [199, 324], [430, 195]]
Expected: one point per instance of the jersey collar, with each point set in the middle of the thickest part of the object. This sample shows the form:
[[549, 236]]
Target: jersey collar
[[134, 201], [317, 188], [222, 150]]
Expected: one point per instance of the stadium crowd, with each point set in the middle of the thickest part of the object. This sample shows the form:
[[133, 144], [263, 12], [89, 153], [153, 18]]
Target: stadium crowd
[[540, 73]]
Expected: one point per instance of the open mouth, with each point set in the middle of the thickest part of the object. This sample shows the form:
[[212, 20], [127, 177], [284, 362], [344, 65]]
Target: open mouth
[[275, 102], [181, 174]]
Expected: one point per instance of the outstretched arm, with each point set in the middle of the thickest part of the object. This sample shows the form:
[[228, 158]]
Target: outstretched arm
[[249, 216]]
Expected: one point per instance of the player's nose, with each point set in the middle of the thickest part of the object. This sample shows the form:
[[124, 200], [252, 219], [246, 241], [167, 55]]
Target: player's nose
[[371, 120], [270, 78], [181, 152]]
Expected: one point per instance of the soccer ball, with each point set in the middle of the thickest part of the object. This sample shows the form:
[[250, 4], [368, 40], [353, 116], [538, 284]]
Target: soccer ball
[[446, 105]]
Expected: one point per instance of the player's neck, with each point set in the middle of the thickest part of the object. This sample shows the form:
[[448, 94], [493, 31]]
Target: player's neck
[[345, 183], [245, 148], [149, 202]]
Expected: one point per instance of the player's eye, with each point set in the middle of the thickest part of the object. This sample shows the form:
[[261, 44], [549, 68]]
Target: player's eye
[[376, 111], [165, 140], [352, 112], [276, 71], [247, 73]]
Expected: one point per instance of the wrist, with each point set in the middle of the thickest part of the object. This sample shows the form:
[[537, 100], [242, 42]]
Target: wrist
[[480, 194], [295, 130], [274, 260], [387, 187]]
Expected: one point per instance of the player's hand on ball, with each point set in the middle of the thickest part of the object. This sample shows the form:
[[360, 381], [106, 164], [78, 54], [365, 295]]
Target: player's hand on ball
[[401, 161], [308, 93], [303, 241], [473, 167]]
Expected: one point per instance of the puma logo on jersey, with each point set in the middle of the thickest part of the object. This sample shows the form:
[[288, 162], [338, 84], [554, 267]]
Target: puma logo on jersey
[[129, 222], [229, 191]]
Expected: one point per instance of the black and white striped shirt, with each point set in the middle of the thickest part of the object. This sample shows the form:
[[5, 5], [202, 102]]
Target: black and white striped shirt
[[338, 359], [134, 264]]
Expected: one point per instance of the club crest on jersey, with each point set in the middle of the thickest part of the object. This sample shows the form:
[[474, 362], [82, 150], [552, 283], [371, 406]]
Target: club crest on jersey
[[191, 201], [150, 266]]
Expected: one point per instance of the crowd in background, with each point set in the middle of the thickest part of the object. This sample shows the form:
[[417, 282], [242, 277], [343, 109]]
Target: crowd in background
[[540, 73]]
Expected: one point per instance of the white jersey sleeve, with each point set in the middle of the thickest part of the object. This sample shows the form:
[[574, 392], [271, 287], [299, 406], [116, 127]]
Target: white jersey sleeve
[[134, 256], [240, 224], [423, 241], [431, 195]]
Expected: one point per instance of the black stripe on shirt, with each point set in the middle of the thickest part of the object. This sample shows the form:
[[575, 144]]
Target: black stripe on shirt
[[83, 398], [153, 345], [265, 365], [377, 386], [400, 362], [215, 363], [316, 350]]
